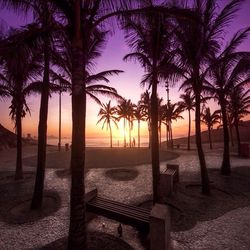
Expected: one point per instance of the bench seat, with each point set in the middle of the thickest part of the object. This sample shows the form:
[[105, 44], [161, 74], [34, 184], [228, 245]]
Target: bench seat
[[128, 214]]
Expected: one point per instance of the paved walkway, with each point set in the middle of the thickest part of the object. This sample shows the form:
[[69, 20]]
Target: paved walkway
[[229, 231]]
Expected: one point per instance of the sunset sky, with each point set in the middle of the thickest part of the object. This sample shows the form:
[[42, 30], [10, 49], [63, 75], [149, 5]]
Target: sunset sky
[[127, 85]]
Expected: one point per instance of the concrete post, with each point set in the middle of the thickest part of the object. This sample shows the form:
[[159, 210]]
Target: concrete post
[[176, 168], [160, 227]]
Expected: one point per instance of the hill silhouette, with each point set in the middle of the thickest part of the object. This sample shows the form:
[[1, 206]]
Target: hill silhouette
[[217, 135], [8, 138]]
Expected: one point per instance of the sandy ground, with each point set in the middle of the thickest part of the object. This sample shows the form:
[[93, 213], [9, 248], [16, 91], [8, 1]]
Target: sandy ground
[[221, 221]]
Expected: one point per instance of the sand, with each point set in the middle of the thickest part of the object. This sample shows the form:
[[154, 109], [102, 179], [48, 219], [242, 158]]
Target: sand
[[95, 157]]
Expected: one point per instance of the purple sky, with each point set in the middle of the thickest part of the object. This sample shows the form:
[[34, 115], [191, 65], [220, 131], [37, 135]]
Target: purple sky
[[127, 84]]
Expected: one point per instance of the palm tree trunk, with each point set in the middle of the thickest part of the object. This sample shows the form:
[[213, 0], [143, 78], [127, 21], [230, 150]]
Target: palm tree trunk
[[171, 136], [231, 134], [129, 127], [139, 133], [189, 128], [110, 133], [149, 134], [42, 134], [204, 174], [160, 135], [77, 238], [167, 133], [225, 167], [124, 127], [19, 164], [155, 140], [209, 136], [236, 124]]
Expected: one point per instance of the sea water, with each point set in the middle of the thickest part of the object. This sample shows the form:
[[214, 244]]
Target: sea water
[[99, 142]]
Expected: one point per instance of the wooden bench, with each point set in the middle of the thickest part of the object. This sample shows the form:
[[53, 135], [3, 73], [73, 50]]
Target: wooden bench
[[127, 214], [167, 179], [155, 221]]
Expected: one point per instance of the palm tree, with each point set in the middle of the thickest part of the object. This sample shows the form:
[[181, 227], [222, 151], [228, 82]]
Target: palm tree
[[130, 116], [172, 112], [239, 106], [148, 38], [197, 42], [44, 16], [19, 68], [188, 104], [139, 116], [121, 111], [83, 18], [210, 119], [107, 114], [145, 107], [160, 117], [47, 30], [228, 70]]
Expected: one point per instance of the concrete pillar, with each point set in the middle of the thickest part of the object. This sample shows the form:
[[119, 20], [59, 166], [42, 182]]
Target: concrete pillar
[[160, 227], [176, 168], [166, 185]]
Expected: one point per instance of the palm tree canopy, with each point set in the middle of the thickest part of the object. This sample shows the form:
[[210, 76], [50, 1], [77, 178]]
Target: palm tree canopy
[[187, 101], [239, 103], [200, 41], [107, 115], [210, 119], [172, 111], [229, 69]]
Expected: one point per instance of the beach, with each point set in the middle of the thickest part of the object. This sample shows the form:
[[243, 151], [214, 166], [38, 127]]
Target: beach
[[125, 175]]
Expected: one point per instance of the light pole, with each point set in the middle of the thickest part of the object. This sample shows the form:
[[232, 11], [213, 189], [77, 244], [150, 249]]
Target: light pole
[[167, 121], [167, 89], [60, 114]]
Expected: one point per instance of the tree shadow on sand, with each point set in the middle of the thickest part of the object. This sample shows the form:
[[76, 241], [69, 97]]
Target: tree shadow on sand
[[96, 241], [15, 200], [188, 206]]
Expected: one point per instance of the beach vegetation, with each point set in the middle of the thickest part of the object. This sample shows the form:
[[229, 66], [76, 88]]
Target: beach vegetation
[[228, 69], [187, 102], [210, 119], [238, 108], [107, 115]]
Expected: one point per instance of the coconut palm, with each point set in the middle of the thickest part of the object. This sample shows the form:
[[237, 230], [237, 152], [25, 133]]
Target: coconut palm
[[228, 70], [130, 117], [188, 104], [210, 119], [46, 32], [107, 113], [160, 117], [239, 106], [139, 116], [19, 68], [83, 18], [150, 40], [145, 107], [124, 110], [172, 112], [198, 41]]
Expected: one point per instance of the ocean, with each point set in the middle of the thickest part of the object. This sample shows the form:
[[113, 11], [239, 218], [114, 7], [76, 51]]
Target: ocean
[[98, 142]]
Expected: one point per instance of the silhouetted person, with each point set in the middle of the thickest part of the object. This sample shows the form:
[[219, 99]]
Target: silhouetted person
[[119, 230]]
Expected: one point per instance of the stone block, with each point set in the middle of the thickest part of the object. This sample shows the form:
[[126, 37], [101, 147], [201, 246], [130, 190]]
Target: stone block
[[160, 227]]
